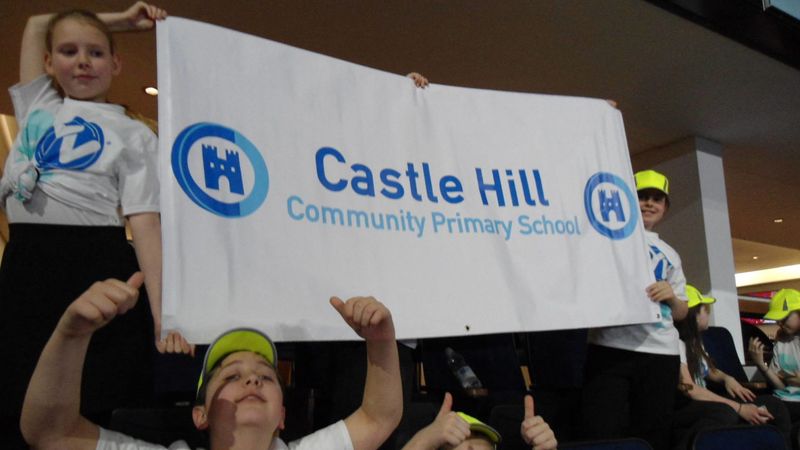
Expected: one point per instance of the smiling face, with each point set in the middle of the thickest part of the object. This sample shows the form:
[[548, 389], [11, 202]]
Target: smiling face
[[81, 61], [653, 206], [242, 391]]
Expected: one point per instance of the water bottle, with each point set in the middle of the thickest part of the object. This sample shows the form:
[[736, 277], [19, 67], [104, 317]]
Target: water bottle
[[466, 377]]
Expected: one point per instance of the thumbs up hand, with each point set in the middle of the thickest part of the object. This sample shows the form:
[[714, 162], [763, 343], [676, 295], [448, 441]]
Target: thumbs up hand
[[446, 429], [535, 431], [96, 307]]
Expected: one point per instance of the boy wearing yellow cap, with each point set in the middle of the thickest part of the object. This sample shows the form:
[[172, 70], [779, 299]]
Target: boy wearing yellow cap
[[240, 402], [459, 431], [634, 368]]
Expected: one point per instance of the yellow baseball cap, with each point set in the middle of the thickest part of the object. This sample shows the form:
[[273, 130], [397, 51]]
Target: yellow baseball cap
[[236, 340], [782, 303], [650, 179], [477, 426], [696, 298]]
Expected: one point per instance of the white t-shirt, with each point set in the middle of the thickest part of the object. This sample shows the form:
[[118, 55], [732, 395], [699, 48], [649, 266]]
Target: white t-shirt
[[704, 370], [659, 337], [332, 437], [786, 357], [93, 160]]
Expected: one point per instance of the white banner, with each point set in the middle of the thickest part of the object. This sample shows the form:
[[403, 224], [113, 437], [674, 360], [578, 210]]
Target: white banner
[[289, 176]]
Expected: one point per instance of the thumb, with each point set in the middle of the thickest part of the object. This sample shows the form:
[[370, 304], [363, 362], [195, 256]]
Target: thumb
[[529, 412], [338, 305], [447, 405], [136, 280]]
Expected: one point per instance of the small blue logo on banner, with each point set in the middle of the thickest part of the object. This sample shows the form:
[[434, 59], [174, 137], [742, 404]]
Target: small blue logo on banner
[[610, 205], [205, 154], [79, 145]]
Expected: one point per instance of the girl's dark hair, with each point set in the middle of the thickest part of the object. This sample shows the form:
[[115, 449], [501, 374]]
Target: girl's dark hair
[[781, 335], [80, 15], [690, 335]]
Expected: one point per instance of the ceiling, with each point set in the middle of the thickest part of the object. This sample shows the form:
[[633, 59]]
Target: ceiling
[[671, 77]]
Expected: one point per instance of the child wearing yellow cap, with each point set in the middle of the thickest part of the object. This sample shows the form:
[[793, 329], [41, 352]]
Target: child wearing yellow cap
[[459, 431], [783, 372], [698, 407], [240, 401], [632, 370]]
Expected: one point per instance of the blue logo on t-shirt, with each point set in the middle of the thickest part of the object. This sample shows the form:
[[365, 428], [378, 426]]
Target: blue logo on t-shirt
[[76, 146], [610, 205], [220, 170]]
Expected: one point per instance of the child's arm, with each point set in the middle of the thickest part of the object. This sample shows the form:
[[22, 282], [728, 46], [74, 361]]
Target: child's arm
[[51, 411], [146, 230], [733, 387], [756, 350], [661, 291], [140, 16], [382, 405], [447, 428], [535, 431], [747, 411]]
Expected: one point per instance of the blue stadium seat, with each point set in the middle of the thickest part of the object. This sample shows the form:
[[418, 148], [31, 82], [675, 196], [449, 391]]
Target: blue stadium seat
[[616, 444], [743, 437]]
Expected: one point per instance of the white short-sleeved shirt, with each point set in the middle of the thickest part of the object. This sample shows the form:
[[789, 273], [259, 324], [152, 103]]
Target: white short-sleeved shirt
[[96, 164], [332, 437], [659, 337], [786, 357], [704, 369]]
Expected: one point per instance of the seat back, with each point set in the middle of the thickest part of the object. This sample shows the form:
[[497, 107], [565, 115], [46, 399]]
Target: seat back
[[616, 444], [719, 345], [743, 437], [492, 357]]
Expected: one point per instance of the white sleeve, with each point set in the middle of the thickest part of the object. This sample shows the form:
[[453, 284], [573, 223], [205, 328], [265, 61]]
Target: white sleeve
[[112, 440], [333, 437], [38, 91]]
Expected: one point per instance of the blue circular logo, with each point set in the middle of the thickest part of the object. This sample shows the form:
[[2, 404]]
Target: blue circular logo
[[208, 165], [79, 145], [610, 205]]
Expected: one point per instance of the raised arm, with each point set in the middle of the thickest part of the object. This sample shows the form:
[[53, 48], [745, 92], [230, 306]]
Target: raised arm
[[51, 412], [140, 16], [756, 349], [382, 405]]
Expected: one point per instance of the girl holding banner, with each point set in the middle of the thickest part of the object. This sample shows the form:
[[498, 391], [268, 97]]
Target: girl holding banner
[[78, 168]]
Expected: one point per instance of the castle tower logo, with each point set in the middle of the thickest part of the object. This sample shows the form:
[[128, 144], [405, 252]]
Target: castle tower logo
[[610, 205], [220, 170]]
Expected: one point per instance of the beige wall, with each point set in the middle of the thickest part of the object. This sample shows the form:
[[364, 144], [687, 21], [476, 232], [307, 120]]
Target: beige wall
[[8, 130]]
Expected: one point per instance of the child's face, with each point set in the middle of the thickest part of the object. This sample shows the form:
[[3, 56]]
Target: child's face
[[653, 205], [244, 390], [81, 61], [791, 324], [702, 317]]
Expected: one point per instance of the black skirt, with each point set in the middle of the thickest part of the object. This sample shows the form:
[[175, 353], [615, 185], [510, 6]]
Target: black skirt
[[44, 269]]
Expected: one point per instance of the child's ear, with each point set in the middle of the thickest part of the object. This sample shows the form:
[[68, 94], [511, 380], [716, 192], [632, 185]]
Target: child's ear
[[199, 417], [282, 423], [116, 63], [48, 63]]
